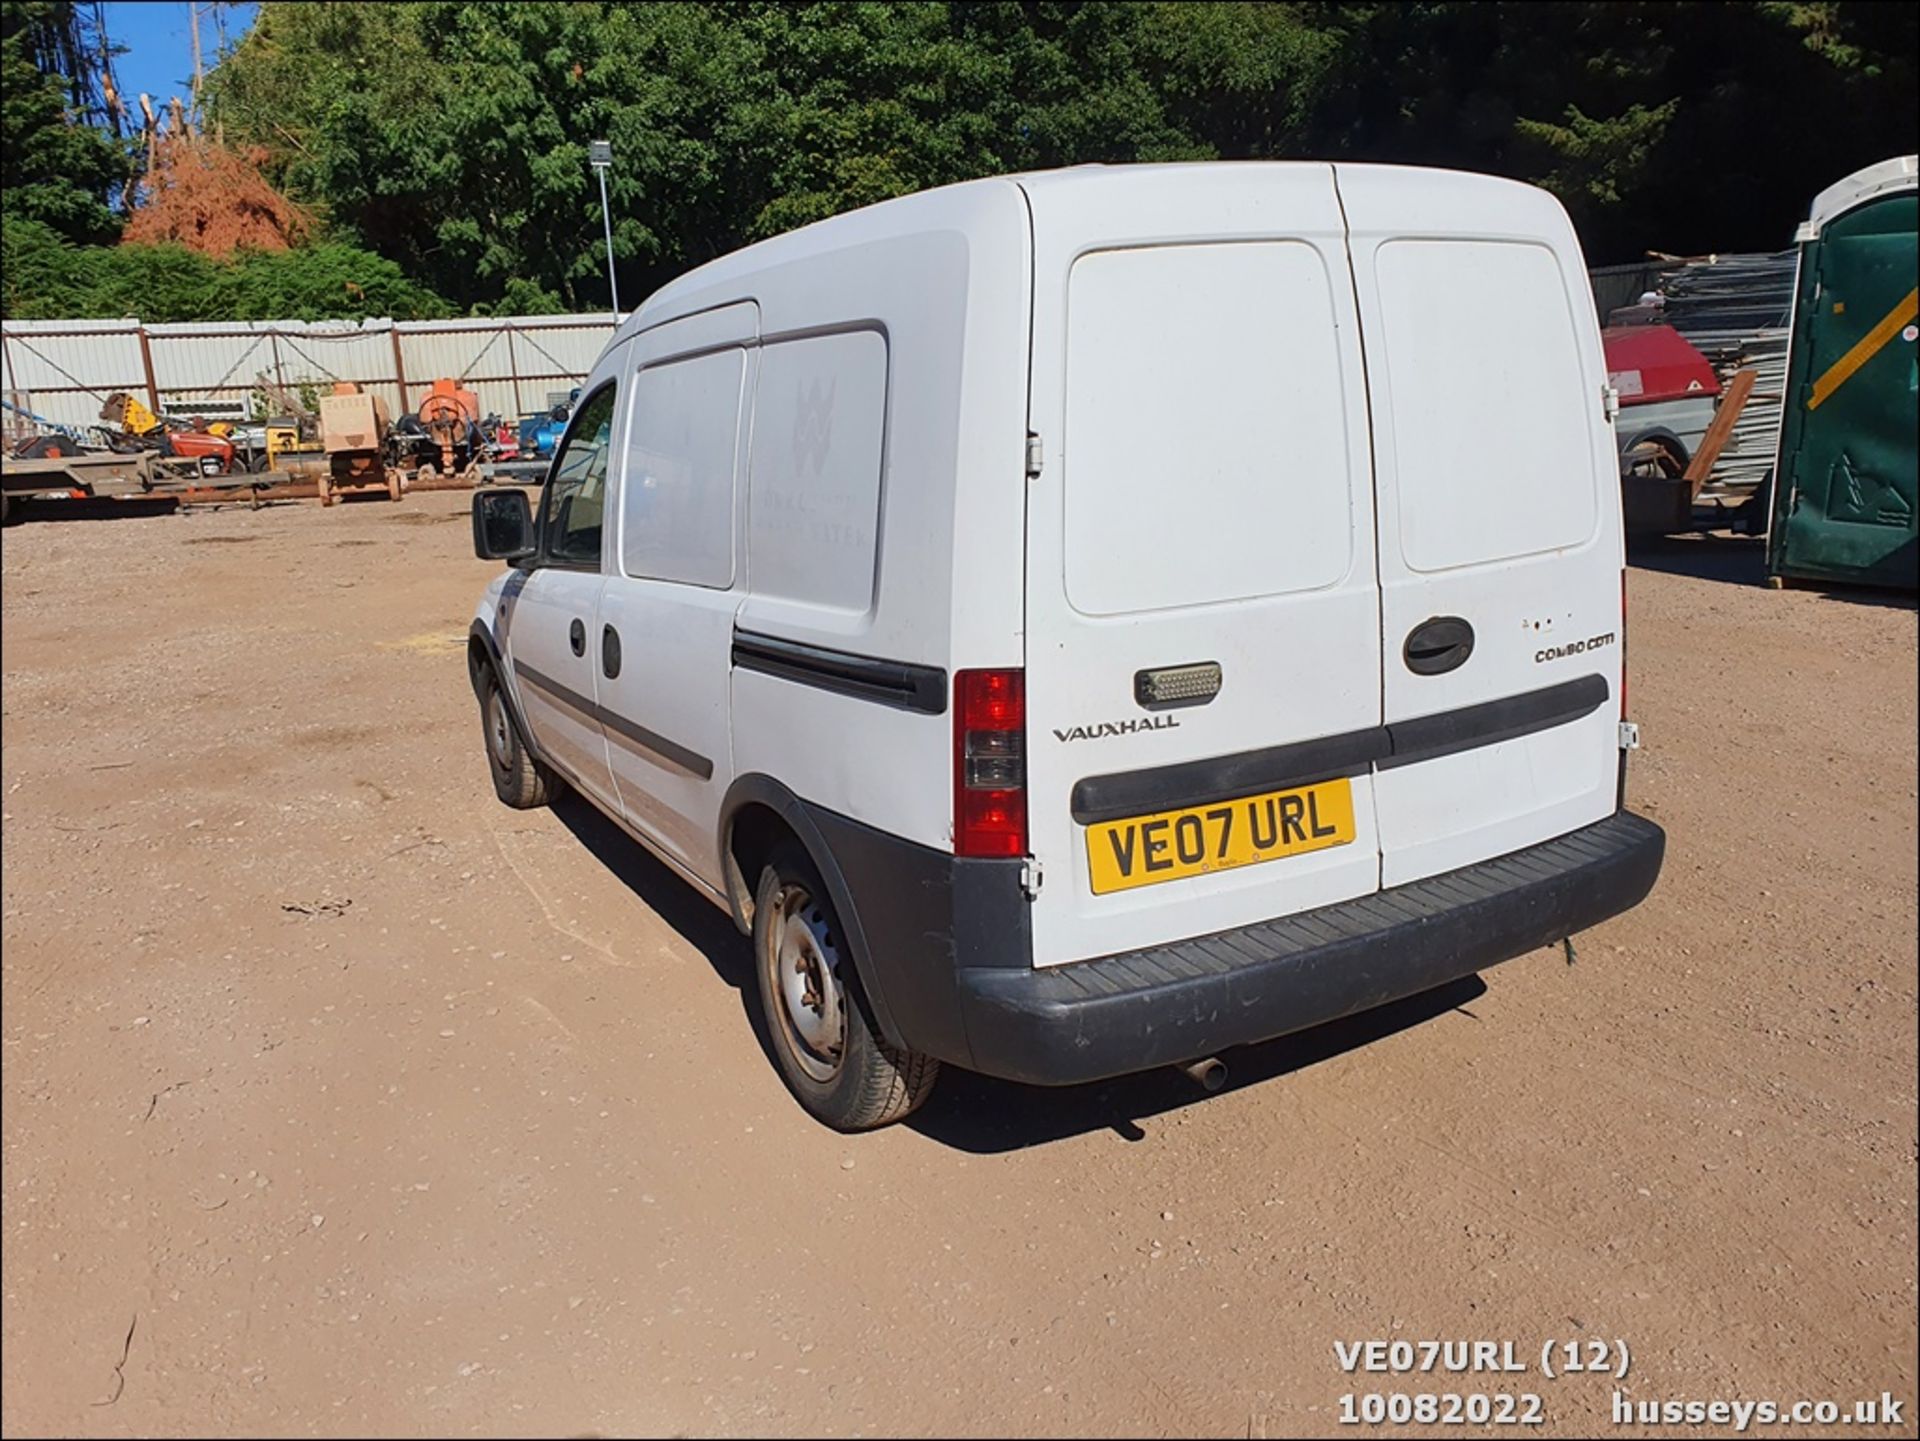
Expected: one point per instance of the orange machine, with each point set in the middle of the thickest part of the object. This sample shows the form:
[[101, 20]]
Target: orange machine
[[451, 417]]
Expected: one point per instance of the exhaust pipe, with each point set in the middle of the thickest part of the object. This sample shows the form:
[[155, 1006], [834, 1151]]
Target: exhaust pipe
[[1209, 1074]]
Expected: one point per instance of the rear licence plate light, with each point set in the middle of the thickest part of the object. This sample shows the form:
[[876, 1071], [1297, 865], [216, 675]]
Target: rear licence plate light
[[990, 763]]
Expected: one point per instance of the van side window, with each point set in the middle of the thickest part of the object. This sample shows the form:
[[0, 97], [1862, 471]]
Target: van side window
[[677, 507], [571, 511], [813, 501]]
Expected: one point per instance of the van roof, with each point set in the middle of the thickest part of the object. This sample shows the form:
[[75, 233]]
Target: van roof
[[960, 206]]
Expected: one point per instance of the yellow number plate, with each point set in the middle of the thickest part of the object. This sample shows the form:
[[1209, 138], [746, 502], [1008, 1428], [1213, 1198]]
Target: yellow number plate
[[1146, 850]]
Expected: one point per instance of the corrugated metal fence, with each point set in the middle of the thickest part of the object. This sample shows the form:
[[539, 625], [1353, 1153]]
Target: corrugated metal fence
[[65, 369]]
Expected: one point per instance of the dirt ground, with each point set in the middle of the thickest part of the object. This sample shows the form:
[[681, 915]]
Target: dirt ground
[[340, 1100]]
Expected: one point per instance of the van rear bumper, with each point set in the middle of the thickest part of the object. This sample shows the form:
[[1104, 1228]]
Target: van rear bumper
[[1168, 1004]]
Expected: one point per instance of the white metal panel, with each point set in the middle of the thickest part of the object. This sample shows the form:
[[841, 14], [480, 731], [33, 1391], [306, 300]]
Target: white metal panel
[[194, 361], [1501, 269], [540, 607], [64, 370], [559, 345], [1485, 399], [323, 355], [511, 363], [676, 640], [1203, 417], [463, 355], [944, 276], [1296, 666]]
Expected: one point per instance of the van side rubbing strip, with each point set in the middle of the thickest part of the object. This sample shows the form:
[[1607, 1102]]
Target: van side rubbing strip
[[652, 741], [890, 682], [1429, 737], [1198, 783]]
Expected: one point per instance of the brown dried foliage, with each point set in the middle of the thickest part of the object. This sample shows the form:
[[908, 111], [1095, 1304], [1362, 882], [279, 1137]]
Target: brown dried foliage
[[213, 199]]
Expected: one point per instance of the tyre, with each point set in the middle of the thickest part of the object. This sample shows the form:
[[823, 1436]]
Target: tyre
[[828, 1051], [518, 779]]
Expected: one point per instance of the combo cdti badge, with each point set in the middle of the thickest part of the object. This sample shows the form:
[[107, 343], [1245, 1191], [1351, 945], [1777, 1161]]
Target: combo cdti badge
[[1080, 622]]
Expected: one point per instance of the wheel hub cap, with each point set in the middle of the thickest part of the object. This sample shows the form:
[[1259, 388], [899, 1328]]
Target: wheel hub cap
[[813, 1004], [497, 734]]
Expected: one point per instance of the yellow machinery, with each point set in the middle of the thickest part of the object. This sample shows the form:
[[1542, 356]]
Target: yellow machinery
[[125, 413], [282, 439]]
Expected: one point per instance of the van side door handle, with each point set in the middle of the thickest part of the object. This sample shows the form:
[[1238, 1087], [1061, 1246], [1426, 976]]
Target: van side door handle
[[1438, 645], [577, 637], [609, 651]]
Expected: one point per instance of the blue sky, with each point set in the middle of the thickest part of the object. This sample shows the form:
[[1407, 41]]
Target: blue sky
[[158, 37]]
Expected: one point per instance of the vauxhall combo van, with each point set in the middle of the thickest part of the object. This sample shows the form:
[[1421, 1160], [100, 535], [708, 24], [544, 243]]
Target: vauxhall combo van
[[1081, 622]]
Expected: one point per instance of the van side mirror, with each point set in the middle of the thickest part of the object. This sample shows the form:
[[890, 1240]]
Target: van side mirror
[[502, 524]]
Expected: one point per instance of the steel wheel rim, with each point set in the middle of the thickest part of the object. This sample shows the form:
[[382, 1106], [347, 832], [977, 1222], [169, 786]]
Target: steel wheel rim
[[811, 1002], [499, 734]]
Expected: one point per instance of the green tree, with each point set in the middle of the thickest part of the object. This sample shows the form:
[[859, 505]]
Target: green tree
[[451, 137], [45, 277], [59, 164]]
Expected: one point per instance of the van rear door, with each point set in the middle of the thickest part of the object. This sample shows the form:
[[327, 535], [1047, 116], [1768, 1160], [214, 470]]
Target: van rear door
[[1500, 546], [1203, 617]]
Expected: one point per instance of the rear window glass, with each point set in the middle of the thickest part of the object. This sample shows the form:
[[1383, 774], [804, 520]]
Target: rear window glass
[[1206, 450], [1493, 455]]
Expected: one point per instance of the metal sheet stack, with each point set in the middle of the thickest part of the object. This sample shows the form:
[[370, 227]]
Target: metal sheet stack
[[1736, 310]]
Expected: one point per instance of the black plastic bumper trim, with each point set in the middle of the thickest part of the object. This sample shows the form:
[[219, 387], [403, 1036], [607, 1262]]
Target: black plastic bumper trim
[[1398, 743], [1168, 1004], [905, 684]]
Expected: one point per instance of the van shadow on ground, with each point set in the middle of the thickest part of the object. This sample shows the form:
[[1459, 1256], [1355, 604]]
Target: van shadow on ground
[[1740, 560], [979, 1114]]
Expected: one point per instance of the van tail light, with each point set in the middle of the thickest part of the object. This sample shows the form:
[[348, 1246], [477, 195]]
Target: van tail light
[[990, 763]]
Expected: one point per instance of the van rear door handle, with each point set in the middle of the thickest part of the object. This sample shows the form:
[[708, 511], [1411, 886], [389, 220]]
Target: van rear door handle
[[609, 651], [1438, 645], [577, 638]]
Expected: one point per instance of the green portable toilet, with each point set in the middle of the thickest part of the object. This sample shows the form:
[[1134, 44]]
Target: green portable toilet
[[1844, 493]]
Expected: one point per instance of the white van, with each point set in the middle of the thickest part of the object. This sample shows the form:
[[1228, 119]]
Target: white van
[[1080, 622]]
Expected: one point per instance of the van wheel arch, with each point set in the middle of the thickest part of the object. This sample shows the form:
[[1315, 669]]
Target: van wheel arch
[[759, 815], [480, 656], [483, 658]]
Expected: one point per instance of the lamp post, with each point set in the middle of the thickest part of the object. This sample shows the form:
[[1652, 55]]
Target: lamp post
[[600, 157]]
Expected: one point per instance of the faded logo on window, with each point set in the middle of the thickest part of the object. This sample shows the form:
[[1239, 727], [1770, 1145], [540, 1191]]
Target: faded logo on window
[[812, 425]]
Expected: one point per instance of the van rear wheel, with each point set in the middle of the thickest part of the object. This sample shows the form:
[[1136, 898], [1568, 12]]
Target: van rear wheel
[[828, 1051]]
